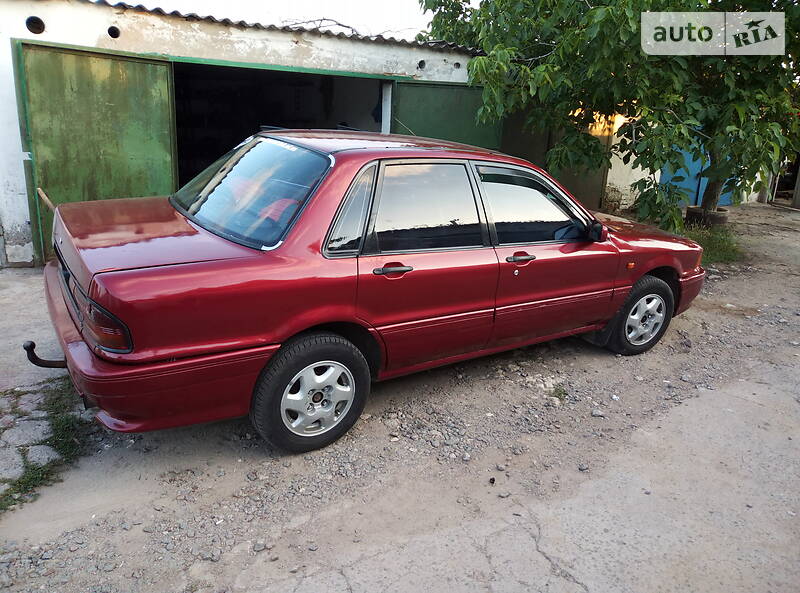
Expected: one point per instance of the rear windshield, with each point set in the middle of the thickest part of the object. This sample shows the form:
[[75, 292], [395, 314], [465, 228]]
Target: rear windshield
[[253, 193]]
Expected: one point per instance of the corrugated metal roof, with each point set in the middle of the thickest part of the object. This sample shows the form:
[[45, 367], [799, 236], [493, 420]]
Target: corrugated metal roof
[[435, 45]]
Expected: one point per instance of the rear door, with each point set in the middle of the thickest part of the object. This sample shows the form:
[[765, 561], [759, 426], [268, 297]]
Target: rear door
[[427, 275], [97, 125], [552, 277]]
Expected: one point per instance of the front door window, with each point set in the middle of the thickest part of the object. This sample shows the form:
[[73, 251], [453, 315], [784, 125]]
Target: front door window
[[524, 210]]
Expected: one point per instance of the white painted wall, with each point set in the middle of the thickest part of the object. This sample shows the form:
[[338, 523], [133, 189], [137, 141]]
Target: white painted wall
[[618, 192], [83, 24]]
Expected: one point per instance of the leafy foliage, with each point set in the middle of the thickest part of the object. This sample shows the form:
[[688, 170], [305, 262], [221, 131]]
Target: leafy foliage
[[569, 64], [659, 202]]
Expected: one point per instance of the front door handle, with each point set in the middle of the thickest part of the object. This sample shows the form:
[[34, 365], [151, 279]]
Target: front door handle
[[521, 257], [392, 270]]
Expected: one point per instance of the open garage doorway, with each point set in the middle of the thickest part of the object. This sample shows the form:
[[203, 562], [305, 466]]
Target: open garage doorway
[[216, 107]]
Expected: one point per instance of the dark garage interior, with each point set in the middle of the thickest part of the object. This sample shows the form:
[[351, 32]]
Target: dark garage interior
[[216, 107]]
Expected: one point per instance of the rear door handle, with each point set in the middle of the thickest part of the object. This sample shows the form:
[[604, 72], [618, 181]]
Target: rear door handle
[[392, 270], [516, 258]]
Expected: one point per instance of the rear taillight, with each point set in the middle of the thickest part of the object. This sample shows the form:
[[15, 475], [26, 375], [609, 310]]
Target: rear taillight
[[106, 330], [99, 327]]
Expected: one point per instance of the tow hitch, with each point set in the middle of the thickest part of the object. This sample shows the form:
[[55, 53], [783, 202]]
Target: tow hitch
[[29, 348]]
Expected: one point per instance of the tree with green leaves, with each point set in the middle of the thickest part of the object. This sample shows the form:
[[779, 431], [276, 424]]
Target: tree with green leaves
[[567, 64]]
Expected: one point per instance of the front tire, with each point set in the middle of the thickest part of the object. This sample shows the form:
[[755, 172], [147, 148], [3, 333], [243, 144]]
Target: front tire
[[311, 392], [643, 319]]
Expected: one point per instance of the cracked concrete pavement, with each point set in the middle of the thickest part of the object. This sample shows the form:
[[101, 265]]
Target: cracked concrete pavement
[[21, 318], [704, 499]]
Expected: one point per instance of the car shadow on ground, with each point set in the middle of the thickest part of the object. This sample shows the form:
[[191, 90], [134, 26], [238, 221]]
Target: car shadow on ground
[[222, 440]]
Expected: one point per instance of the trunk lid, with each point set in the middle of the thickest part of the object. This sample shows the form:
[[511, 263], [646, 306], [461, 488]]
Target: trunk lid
[[129, 233]]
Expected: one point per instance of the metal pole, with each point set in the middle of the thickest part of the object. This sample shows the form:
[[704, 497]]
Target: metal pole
[[386, 108]]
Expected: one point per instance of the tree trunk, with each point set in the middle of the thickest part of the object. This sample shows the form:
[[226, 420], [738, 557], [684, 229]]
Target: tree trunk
[[711, 196], [714, 187], [708, 214], [765, 189]]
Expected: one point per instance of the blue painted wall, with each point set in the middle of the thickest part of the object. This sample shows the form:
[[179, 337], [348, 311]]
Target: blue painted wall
[[693, 184]]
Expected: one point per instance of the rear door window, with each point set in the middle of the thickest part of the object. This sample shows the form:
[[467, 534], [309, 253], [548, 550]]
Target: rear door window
[[426, 206], [349, 227]]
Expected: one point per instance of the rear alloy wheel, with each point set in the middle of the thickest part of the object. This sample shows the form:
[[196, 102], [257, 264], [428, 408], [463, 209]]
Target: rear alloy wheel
[[644, 317], [317, 398], [311, 392]]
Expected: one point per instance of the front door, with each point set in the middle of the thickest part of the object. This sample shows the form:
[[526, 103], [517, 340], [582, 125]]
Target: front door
[[552, 277], [428, 276]]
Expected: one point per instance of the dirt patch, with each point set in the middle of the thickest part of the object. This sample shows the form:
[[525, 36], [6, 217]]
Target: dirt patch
[[726, 308]]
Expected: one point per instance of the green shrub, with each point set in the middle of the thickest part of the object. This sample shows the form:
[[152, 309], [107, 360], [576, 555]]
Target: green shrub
[[719, 243]]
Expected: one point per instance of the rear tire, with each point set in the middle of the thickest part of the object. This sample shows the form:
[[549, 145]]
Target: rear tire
[[311, 392], [643, 319]]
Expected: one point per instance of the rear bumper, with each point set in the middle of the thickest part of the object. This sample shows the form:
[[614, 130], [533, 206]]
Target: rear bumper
[[691, 285], [141, 397]]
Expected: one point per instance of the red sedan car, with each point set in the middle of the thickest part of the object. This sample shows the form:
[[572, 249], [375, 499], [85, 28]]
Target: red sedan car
[[303, 265]]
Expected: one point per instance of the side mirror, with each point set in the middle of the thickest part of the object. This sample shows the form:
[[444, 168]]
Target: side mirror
[[598, 232]]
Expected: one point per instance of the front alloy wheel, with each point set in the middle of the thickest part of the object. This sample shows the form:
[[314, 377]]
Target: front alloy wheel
[[645, 319]]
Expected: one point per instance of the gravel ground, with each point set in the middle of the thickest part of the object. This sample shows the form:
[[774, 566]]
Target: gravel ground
[[484, 452]]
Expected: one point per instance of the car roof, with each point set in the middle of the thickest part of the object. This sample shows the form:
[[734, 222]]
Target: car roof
[[333, 141], [365, 146]]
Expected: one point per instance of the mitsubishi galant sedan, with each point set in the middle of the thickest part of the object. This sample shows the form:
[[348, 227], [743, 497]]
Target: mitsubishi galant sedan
[[305, 264]]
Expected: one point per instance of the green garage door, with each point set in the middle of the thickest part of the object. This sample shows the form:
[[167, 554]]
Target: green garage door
[[445, 111], [98, 126]]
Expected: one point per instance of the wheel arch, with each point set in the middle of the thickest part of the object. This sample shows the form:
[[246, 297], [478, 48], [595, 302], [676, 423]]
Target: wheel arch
[[365, 340], [669, 275]]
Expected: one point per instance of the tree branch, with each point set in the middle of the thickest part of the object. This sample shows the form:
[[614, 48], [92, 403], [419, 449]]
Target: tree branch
[[533, 59], [321, 22]]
